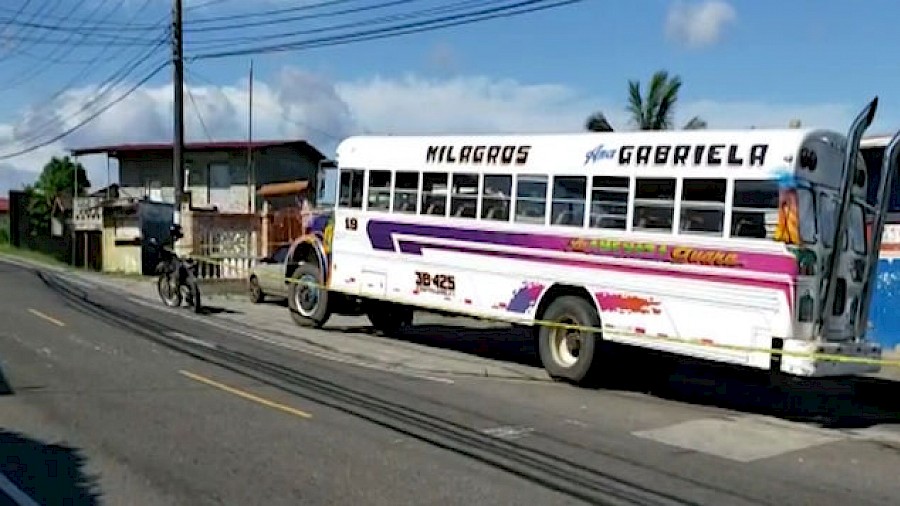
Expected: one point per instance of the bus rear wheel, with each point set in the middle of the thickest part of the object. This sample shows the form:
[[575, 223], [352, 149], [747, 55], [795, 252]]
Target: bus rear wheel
[[569, 354], [308, 300], [388, 317]]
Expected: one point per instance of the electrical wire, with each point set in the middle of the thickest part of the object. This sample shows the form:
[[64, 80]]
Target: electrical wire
[[522, 7], [302, 17], [105, 88], [87, 120], [70, 47], [233, 41]]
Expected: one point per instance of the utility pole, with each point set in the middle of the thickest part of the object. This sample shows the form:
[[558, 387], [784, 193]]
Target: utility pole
[[178, 112], [251, 179]]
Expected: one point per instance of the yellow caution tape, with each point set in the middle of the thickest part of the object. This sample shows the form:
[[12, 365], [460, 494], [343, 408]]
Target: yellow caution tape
[[609, 329]]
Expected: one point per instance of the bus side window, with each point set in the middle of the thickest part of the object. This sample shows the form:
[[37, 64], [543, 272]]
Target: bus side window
[[569, 196], [379, 190], [464, 196], [654, 204], [754, 211], [496, 197], [531, 199], [703, 206], [609, 202], [434, 193], [406, 192], [351, 195]]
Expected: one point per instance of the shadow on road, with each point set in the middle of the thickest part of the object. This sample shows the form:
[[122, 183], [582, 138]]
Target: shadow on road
[[835, 403], [846, 403], [48, 473], [497, 343]]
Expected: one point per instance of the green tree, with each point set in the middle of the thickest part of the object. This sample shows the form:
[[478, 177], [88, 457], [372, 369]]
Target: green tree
[[652, 111], [57, 179]]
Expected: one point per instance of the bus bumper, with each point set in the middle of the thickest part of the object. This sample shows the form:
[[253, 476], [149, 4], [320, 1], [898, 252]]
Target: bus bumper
[[850, 359]]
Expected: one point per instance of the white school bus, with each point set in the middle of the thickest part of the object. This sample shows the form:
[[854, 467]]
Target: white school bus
[[712, 244]]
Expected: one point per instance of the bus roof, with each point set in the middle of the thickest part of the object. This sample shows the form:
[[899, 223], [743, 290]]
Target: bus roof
[[758, 151]]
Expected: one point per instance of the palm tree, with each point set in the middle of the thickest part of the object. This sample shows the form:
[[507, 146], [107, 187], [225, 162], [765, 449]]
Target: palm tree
[[597, 123], [653, 111]]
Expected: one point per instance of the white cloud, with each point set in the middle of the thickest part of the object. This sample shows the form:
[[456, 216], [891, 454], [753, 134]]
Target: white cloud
[[700, 24], [298, 104]]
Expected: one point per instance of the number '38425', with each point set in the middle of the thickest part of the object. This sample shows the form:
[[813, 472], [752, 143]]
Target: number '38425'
[[439, 281]]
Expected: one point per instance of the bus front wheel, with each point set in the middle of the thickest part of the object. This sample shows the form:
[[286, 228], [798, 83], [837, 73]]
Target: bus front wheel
[[568, 354], [308, 300]]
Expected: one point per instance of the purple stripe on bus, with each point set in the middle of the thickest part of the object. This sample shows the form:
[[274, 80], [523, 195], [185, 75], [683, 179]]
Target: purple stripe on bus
[[381, 236], [411, 247]]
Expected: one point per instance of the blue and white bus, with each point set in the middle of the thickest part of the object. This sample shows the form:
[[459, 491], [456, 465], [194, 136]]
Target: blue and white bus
[[884, 326]]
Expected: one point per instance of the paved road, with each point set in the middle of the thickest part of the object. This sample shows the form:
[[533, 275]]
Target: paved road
[[103, 400]]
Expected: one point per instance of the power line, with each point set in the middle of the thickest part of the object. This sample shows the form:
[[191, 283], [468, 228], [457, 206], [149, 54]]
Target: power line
[[271, 12], [69, 48], [522, 7], [445, 9], [289, 19], [105, 88], [197, 112], [87, 120]]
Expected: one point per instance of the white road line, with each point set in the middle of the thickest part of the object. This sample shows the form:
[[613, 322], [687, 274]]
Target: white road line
[[18, 497]]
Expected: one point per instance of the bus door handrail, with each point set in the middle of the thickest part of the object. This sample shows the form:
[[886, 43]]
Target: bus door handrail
[[889, 165], [854, 137]]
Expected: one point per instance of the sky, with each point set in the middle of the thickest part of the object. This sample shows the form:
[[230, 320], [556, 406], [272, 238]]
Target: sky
[[755, 63]]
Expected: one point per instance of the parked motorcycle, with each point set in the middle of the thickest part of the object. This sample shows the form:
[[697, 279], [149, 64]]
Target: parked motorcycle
[[177, 277]]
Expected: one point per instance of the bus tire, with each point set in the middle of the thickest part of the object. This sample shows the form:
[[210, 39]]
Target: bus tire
[[569, 354], [387, 317], [308, 303]]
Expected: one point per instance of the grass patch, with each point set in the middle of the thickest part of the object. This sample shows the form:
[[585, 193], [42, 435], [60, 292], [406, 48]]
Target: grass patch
[[36, 256]]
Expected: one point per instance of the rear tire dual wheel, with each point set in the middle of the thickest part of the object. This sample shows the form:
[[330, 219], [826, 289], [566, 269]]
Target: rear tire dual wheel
[[388, 317], [570, 354]]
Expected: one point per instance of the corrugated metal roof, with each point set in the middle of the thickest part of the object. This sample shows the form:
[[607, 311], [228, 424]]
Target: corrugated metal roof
[[115, 149]]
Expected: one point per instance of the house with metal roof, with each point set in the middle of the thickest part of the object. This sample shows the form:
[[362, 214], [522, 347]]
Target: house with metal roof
[[221, 213]]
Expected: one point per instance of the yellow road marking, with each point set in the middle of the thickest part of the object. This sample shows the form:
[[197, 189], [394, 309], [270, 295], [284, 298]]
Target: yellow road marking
[[46, 317], [246, 395]]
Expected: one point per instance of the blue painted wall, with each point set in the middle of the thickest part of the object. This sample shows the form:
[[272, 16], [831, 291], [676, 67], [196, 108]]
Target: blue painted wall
[[884, 314]]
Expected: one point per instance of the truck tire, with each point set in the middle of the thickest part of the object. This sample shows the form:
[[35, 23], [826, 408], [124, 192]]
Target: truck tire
[[569, 354], [388, 317], [308, 303]]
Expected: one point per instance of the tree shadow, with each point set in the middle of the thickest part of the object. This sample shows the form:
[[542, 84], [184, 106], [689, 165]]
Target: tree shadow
[[48, 473]]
